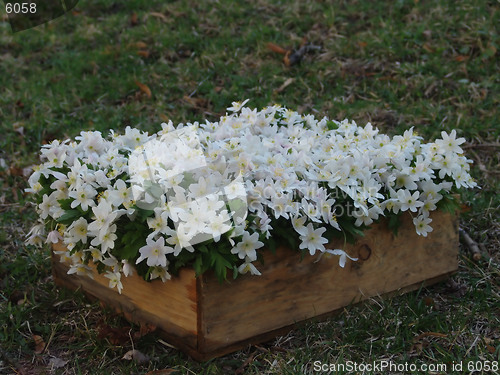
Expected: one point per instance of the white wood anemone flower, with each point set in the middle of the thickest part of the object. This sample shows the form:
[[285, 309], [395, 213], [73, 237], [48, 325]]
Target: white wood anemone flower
[[216, 195]]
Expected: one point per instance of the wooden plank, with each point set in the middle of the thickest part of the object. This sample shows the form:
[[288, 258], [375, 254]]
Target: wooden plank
[[291, 291], [170, 306], [266, 336], [207, 319]]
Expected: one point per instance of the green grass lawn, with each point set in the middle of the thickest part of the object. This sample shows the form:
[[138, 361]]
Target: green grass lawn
[[109, 64]]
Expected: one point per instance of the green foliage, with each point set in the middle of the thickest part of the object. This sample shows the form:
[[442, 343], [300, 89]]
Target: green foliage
[[66, 203], [186, 258], [132, 236], [449, 203], [331, 125], [141, 215], [270, 243], [198, 265], [69, 216], [132, 239], [350, 232], [394, 222], [221, 262], [284, 233]]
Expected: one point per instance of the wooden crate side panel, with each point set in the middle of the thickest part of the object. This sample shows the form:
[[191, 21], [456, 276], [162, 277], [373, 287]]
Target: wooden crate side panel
[[205, 355], [170, 306], [394, 262], [291, 291]]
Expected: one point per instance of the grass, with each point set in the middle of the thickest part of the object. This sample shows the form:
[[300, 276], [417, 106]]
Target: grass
[[430, 65]]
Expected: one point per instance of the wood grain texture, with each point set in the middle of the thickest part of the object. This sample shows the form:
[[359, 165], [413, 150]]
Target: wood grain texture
[[170, 306], [290, 291], [206, 319]]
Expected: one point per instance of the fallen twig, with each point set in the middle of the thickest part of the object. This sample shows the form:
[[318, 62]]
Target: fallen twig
[[432, 334], [478, 145], [241, 369], [471, 244]]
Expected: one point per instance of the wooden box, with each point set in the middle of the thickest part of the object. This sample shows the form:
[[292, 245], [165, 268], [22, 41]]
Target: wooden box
[[207, 319]]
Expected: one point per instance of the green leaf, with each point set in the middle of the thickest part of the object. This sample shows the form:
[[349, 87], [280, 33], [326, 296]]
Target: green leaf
[[101, 267], [449, 204], [291, 241], [303, 253], [142, 214], [394, 223], [65, 203], [132, 239], [148, 273], [69, 216], [221, 264], [332, 232], [331, 125], [41, 193], [350, 231], [197, 265], [271, 244], [143, 270], [130, 249]]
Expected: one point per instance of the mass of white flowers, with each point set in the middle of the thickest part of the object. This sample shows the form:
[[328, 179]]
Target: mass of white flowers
[[215, 195]]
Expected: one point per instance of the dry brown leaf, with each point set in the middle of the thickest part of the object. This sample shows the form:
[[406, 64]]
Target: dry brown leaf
[[196, 102], [116, 336], [133, 19], [491, 349], [429, 301], [461, 58], [287, 83], [428, 47], [140, 45], [158, 15], [488, 341], [417, 348], [145, 89], [15, 193], [95, 67], [275, 48], [143, 53], [39, 344], [15, 171], [144, 330]]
